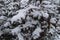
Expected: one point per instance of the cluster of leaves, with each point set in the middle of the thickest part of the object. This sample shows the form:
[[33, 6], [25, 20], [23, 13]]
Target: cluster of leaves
[[29, 20]]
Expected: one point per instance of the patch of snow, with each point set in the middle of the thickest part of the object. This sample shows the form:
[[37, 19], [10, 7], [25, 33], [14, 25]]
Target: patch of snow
[[58, 23], [21, 13], [1, 32], [52, 29], [22, 1], [57, 37], [36, 33], [6, 30], [58, 29], [2, 17], [45, 14], [15, 30], [53, 20], [56, 2], [46, 2], [6, 24], [20, 37], [36, 13]]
